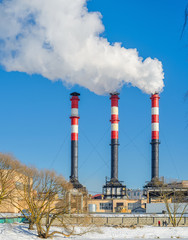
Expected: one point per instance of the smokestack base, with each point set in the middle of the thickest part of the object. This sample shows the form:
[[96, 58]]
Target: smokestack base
[[114, 189], [76, 184]]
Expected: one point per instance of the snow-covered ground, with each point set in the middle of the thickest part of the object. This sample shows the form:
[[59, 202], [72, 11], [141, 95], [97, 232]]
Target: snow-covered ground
[[21, 232], [3, 215]]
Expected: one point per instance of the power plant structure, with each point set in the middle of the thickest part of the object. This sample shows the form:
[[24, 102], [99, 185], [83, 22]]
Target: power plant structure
[[154, 182], [154, 140], [154, 187], [114, 188], [74, 140], [155, 136]]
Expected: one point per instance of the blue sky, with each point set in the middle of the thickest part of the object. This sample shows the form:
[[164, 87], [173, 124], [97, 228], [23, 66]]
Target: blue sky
[[35, 124]]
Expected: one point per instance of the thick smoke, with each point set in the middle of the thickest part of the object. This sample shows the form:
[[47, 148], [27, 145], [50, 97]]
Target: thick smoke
[[60, 40]]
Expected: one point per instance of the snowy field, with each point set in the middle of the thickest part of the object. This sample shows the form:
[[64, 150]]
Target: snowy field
[[21, 232]]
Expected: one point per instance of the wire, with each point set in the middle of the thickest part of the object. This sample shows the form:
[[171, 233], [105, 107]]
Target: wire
[[170, 155], [135, 145], [58, 152], [134, 137], [91, 175], [94, 148], [132, 140]]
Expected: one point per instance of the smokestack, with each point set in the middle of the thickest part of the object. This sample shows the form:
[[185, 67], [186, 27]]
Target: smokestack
[[74, 137], [114, 136], [114, 188], [155, 135]]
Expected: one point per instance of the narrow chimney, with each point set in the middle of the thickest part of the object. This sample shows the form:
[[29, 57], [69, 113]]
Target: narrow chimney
[[155, 135], [74, 136], [114, 136], [114, 188]]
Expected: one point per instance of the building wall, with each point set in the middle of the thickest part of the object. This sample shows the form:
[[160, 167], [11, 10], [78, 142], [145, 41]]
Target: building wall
[[125, 220], [13, 189], [114, 205], [135, 194], [161, 207]]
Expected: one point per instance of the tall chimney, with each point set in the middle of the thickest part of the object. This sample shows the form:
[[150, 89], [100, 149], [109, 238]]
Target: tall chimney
[[114, 136], [74, 137], [114, 188], [155, 135]]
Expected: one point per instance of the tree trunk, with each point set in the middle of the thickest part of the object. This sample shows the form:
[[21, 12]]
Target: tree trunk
[[31, 225], [40, 231]]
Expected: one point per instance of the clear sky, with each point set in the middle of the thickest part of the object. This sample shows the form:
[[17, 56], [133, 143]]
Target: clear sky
[[35, 125]]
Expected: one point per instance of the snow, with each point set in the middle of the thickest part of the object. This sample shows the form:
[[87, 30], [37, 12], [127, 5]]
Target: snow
[[4, 215], [21, 232]]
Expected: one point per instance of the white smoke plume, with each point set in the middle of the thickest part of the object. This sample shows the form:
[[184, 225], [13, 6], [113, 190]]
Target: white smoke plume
[[61, 40]]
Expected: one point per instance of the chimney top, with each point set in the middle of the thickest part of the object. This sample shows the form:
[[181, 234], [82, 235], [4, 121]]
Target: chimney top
[[114, 93], [75, 94]]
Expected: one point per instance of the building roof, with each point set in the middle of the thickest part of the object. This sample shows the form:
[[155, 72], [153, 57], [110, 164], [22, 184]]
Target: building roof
[[97, 196]]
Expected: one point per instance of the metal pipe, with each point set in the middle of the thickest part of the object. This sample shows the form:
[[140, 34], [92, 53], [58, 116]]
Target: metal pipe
[[114, 136], [155, 135]]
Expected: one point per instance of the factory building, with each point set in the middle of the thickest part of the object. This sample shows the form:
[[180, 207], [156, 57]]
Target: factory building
[[116, 205], [115, 196], [135, 194], [160, 208]]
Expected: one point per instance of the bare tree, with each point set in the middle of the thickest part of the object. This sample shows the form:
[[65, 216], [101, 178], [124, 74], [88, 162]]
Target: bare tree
[[174, 196], [41, 196], [9, 167], [185, 21], [46, 198]]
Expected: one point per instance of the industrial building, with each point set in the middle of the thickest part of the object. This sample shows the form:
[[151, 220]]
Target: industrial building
[[115, 196], [135, 194], [115, 205], [161, 208]]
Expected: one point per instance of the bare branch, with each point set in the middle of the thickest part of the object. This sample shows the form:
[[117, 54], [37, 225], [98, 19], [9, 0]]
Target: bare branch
[[185, 22]]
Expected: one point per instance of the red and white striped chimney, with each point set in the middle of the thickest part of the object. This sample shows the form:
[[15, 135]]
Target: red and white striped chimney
[[74, 136], [114, 136], [155, 135]]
